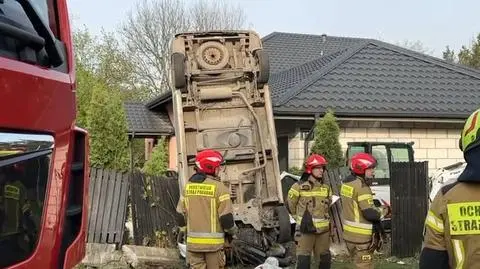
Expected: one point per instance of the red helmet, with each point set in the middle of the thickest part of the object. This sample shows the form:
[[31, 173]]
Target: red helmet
[[361, 162], [313, 161], [208, 160]]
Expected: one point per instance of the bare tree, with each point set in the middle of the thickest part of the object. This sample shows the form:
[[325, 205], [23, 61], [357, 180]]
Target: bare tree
[[215, 15], [147, 33], [415, 46], [151, 26]]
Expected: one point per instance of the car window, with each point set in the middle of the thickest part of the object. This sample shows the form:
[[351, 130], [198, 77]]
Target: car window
[[380, 153], [354, 150], [399, 155]]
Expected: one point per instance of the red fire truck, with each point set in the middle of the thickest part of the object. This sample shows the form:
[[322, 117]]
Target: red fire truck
[[43, 155]]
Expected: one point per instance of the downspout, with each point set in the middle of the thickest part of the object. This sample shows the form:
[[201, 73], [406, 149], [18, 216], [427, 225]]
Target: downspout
[[309, 136], [131, 151]]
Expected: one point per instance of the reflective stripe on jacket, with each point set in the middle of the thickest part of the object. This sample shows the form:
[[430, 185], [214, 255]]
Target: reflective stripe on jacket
[[356, 196], [316, 197], [204, 204], [14, 204]]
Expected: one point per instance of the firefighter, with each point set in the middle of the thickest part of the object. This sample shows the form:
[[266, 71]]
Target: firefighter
[[309, 202], [452, 225], [207, 207], [360, 216], [15, 242]]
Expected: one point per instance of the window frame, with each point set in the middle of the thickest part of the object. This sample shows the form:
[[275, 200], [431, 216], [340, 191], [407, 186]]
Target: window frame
[[53, 19]]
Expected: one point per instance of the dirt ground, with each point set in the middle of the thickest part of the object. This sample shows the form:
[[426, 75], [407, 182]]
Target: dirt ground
[[379, 265]]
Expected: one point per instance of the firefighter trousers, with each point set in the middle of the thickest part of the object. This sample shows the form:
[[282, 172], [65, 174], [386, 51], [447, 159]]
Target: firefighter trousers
[[319, 244], [206, 260], [362, 255]]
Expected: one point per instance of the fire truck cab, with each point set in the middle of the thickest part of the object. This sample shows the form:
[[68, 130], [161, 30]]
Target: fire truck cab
[[43, 155]]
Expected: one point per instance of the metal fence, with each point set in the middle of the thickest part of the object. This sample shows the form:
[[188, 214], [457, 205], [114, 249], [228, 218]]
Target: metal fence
[[409, 199]]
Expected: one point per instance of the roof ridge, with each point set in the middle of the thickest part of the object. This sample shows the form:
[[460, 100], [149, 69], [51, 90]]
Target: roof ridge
[[429, 59], [311, 61], [269, 36], [316, 35], [315, 76]]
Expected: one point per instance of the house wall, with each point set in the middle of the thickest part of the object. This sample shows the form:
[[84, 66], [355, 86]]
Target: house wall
[[171, 147], [436, 143], [172, 142]]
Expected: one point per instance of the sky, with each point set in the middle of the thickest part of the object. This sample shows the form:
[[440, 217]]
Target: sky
[[435, 23]]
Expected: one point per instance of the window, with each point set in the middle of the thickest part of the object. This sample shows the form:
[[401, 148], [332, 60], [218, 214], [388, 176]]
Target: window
[[24, 169], [24, 32], [380, 153], [354, 150], [399, 155]]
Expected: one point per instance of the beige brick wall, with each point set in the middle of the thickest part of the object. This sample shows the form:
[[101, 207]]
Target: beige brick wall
[[295, 151], [438, 146]]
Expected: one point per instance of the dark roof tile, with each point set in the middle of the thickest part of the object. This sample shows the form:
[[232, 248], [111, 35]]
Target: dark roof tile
[[143, 121], [285, 80], [381, 79], [287, 50]]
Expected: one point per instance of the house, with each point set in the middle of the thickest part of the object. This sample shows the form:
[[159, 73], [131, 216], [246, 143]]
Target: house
[[379, 92]]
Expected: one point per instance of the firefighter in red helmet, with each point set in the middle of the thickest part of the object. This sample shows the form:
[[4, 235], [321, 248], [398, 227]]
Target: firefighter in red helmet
[[207, 208], [309, 201], [362, 229]]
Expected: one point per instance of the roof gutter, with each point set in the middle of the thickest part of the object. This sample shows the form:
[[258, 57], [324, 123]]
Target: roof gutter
[[437, 120], [147, 134], [160, 100]]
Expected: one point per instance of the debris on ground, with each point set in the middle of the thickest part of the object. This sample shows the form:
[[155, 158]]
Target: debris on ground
[[270, 263]]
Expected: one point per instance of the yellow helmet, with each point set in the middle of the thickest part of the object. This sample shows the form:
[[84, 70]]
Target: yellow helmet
[[471, 132]]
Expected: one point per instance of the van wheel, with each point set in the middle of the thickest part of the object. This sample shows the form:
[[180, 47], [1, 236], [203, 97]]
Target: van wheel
[[264, 66], [285, 226], [178, 62]]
